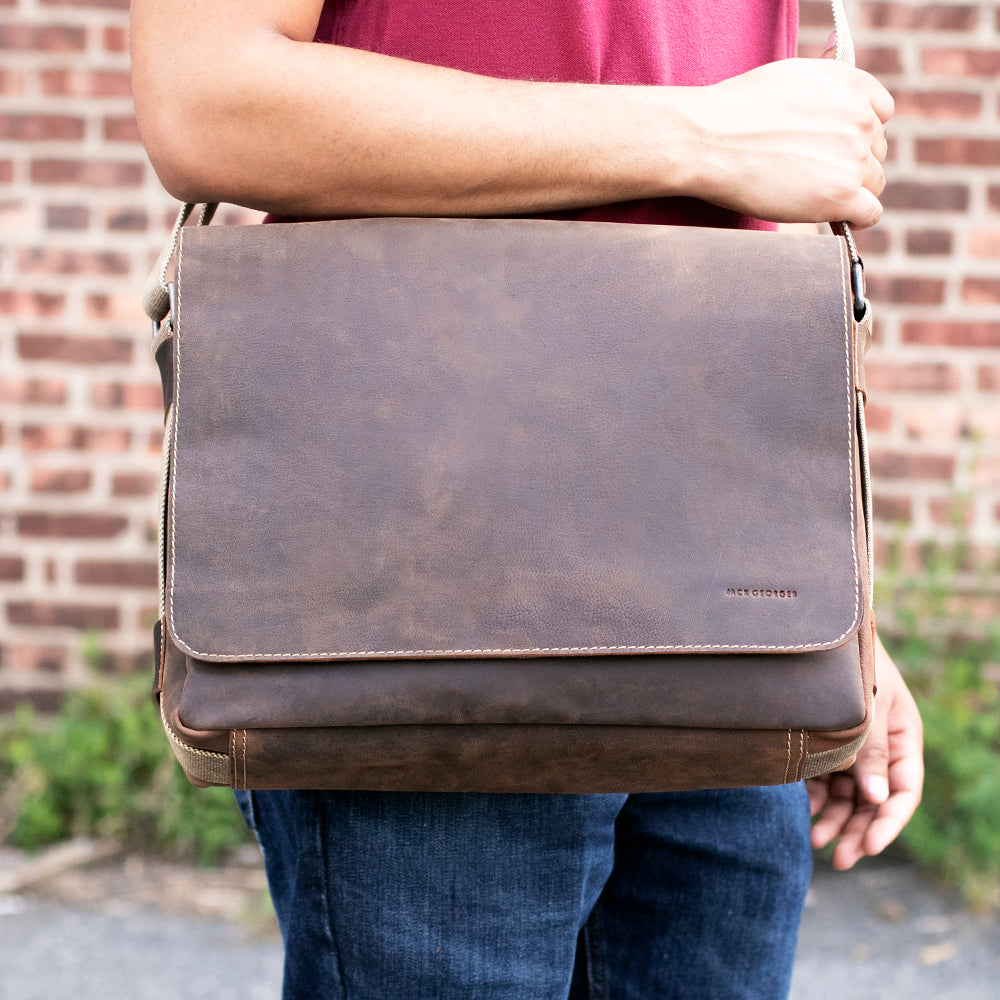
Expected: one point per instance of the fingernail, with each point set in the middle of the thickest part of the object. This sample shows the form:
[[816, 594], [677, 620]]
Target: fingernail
[[832, 40], [877, 787]]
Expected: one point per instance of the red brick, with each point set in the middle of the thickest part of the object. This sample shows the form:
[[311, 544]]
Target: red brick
[[88, 173], [134, 484], [56, 525], [67, 216], [19, 302], [122, 396], [928, 197], [45, 659], [116, 573], [11, 568], [993, 195], [915, 377], [116, 4], [961, 62], [959, 151], [115, 39], [928, 242], [147, 617], [56, 261], [14, 214], [815, 14], [32, 391], [42, 38], [60, 480], [74, 349], [121, 129], [85, 83], [952, 512], [987, 472], [102, 440], [913, 291], [984, 243], [892, 508], [981, 291], [878, 418], [154, 443], [55, 615], [11, 82], [872, 241], [127, 220], [943, 333], [6, 171], [940, 420], [116, 308], [988, 378], [905, 465], [926, 17], [879, 61], [29, 128], [937, 104]]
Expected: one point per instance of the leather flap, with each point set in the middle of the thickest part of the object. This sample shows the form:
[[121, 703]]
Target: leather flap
[[424, 437]]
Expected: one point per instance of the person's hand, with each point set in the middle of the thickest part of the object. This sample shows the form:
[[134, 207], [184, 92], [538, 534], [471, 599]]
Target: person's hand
[[801, 140], [868, 805]]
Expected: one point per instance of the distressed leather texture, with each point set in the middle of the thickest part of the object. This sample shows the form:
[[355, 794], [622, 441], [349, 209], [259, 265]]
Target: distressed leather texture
[[513, 505]]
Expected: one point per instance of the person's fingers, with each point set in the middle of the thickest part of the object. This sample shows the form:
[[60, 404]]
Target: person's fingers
[[880, 99], [874, 179], [880, 147], [906, 774], [851, 846], [864, 209], [889, 821], [884, 103], [818, 790], [836, 811]]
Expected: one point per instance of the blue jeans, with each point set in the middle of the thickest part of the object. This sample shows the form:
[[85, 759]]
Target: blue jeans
[[399, 896]]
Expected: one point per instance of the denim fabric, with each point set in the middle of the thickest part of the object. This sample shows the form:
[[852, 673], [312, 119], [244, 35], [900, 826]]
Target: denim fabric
[[398, 896]]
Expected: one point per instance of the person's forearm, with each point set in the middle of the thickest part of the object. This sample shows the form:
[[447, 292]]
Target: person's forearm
[[319, 129], [236, 104]]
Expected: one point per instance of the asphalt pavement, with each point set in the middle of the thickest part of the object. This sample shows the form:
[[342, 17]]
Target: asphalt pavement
[[877, 933]]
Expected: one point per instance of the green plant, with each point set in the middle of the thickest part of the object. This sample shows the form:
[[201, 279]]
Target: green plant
[[102, 768], [956, 831], [947, 654]]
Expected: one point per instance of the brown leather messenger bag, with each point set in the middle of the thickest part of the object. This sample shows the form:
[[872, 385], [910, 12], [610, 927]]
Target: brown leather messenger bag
[[512, 505]]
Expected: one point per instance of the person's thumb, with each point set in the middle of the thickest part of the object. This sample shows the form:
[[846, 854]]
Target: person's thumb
[[871, 769], [830, 52]]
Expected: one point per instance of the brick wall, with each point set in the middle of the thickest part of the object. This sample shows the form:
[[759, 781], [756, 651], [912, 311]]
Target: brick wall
[[933, 267], [82, 215]]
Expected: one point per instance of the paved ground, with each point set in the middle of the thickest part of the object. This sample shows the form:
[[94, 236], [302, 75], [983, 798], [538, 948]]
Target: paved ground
[[883, 933], [138, 930]]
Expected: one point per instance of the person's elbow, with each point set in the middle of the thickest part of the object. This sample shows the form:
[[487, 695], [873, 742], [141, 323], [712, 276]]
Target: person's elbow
[[188, 160]]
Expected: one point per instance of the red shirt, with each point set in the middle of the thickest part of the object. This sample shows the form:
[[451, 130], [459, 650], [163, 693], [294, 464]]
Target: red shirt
[[683, 42]]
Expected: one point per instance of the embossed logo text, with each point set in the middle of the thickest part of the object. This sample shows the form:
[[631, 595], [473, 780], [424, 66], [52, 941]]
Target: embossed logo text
[[760, 592]]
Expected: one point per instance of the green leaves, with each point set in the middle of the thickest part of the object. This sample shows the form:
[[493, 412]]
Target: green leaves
[[102, 768]]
